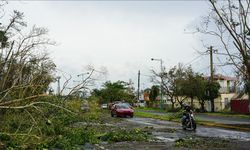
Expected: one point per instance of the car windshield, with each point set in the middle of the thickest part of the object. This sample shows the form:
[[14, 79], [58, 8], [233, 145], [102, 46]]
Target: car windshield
[[122, 106]]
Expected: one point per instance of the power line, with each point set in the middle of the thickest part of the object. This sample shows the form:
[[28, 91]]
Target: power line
[[203, 68], [221, 66], [190, 62]]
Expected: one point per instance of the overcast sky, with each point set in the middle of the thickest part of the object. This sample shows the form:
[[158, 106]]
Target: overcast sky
[[121, 36]]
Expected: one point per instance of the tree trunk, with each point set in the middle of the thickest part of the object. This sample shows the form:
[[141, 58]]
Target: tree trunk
[[202, 103], [172, 105], [192, 103], [212, 105]]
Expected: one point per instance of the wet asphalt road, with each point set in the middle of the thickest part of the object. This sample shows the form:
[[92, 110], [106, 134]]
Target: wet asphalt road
[[216, 119], [201, 131]]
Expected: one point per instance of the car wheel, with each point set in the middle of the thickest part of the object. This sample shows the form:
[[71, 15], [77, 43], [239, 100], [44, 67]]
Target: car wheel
[[131, 116], [112, 115]]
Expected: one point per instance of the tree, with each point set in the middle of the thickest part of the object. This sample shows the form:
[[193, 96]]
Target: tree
[[116, 91], [211, 92], [26, 71], [172, 81], [154, 93], [200, 91], [229, 23], [25, 68], [192, 85]]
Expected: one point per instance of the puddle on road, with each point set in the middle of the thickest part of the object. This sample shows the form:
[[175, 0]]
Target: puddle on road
[[165, 139], [153, 122], [165, 136]]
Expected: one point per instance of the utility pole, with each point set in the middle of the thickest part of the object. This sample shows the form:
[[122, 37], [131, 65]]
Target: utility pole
[[211, 51], [138, 92], [211, 63]]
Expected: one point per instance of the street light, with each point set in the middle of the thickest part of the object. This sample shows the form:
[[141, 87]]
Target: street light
[[161, 93], [58, 85]]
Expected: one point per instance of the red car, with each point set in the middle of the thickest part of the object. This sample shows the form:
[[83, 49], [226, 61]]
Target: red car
[[121, 110]]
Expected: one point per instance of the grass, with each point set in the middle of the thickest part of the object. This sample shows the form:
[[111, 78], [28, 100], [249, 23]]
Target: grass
[[222, 114], [228, 114], [160, 117], [150, 109], [201, 143]]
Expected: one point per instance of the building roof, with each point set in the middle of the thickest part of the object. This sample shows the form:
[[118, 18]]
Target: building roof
[[222, 77]]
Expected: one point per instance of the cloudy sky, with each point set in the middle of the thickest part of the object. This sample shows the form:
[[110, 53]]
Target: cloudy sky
[[121, 36]]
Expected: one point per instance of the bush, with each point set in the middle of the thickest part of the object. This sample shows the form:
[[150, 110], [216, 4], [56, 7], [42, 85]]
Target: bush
[[72, 138], [174, 109], [45, 126], [125, 135]]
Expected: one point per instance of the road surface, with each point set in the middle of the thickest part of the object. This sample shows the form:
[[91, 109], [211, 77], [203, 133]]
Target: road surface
[[201, 131], [167, 133], [217, 119]]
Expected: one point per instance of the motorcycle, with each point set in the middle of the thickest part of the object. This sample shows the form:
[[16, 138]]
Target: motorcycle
[[189, 122]]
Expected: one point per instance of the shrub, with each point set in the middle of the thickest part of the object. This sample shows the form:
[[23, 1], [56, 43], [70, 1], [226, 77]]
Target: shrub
[[125, 135]]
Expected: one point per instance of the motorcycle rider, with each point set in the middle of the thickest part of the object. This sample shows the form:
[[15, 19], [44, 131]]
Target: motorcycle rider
[[187, 111]]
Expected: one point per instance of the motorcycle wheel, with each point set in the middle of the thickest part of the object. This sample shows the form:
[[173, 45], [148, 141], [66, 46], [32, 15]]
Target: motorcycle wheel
[[194, 125]]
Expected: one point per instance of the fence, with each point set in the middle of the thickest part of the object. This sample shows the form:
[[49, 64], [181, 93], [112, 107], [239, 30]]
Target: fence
[[240, 106]]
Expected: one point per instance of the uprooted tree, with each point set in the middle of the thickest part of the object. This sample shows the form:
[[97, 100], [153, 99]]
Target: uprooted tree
[[25, 68], [30, 117], [26, 71]]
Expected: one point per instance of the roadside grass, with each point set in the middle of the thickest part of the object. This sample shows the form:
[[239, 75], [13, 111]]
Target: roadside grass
[[151, 109], [201, 143], [168, 117], [222, 114], [227, 114]]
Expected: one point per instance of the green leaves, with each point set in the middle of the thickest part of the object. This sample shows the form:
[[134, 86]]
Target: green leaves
[[115, 91], [120, 135]]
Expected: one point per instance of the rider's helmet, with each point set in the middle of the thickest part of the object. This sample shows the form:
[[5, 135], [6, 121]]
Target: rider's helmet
[[186, 107]]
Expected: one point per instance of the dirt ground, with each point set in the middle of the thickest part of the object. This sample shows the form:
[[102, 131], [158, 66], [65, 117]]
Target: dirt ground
[[184, 143]]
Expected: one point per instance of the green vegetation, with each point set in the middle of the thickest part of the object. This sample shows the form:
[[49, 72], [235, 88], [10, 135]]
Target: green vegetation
[[180, 83], [167, 117], [57, 128], [116, 91], [43, 125], [228, 114], [150, 109], [120, 135], [32, 117], [200, 143]]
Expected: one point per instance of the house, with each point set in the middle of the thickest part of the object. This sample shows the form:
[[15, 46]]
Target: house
[[227, 92]]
